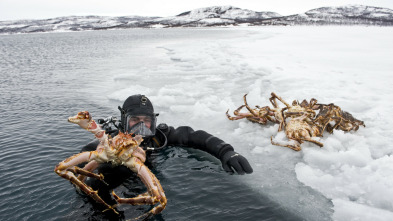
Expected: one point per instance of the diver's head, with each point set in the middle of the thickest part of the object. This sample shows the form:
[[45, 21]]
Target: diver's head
[[137, 116]]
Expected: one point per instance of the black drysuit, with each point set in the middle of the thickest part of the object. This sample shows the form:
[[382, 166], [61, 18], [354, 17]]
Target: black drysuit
[[182, 136]]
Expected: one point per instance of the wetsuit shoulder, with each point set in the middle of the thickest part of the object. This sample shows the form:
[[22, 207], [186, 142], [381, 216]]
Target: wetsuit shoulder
[[91, 146]]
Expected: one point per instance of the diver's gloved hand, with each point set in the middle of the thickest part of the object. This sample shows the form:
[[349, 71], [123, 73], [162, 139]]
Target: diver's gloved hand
[[232, 161]]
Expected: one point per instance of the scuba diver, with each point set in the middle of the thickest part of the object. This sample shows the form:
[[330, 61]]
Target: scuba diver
[[138, 117]]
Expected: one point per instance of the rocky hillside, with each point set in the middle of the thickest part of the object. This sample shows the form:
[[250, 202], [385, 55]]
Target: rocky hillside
[[207, 17], [345, 15], [215, 16]]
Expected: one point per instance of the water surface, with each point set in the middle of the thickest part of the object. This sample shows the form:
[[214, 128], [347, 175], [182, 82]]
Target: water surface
[[44, 79]]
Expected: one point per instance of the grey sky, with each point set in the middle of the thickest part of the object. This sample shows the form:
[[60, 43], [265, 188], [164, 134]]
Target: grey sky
[[38, 9]]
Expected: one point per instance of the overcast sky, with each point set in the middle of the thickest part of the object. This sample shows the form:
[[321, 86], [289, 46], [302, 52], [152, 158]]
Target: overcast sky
[[38, 9]]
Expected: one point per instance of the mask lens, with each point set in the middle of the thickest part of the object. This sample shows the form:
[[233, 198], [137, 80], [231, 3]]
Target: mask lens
[[141, 125], [141, 129]]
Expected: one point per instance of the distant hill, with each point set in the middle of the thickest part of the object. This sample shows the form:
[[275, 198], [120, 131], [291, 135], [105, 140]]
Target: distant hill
[[215, 16], [207, 17], [345, 15]]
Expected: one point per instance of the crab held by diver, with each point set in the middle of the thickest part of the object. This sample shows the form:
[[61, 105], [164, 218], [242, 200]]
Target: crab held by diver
[[122, 149], [300, 121]]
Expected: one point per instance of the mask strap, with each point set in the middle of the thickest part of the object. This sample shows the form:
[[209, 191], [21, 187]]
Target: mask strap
[[122, 113], [121, 110]]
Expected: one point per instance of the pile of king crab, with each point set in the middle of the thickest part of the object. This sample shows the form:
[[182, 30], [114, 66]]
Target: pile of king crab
[[123, 149], [300, 121]]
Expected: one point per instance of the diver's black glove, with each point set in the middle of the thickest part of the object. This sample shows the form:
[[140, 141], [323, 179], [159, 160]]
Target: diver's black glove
[[232, 161]]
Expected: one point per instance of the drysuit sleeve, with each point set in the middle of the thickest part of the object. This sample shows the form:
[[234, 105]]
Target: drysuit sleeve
[[231, 161], [186, 137]]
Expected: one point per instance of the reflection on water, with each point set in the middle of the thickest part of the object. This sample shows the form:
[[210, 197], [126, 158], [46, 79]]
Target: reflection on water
[[46, 78]]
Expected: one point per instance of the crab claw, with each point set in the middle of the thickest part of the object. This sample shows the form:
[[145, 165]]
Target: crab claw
[[83, 119]]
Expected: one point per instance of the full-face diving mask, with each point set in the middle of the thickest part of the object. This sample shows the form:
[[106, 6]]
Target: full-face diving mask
[[141, 125]]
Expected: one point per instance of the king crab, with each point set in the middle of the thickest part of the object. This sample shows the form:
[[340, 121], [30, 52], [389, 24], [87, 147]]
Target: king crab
[[343, 120], [122, 149], [303, 123], [299, 129], [257, 115], [296, 109]]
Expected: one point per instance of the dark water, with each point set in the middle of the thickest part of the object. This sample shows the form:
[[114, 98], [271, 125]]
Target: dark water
[[46, 78]]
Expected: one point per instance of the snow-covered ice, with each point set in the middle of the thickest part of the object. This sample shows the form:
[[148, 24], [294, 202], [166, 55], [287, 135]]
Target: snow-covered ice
[[195, 81]]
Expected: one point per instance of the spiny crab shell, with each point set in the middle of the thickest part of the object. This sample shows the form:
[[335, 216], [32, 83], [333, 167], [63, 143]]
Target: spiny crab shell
[[122, 146]]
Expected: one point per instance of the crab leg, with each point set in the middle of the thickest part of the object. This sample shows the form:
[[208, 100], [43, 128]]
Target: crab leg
[[248, 107], [155, 193], [75, 160], [313, 104], [237, 111], [86, 189], [258, 120], [293, 147], [239, 116], [141, 199], [66, 169], [91, 166], [279, 98], [338, 119], [77, 170], [312, 141], [273, 101]]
